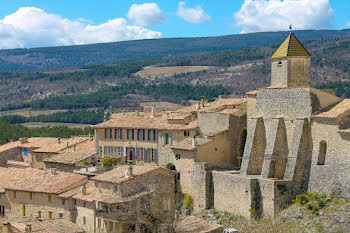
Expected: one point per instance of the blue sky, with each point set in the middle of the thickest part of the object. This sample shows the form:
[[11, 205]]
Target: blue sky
[[35, 23]]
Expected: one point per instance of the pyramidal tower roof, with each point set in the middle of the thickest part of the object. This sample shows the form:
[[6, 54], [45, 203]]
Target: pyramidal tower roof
[[291, 46]]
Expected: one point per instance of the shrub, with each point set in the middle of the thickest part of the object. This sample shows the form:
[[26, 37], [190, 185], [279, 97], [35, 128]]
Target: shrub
[[312, 201], [188, 201], [170, 166], [110, 161]]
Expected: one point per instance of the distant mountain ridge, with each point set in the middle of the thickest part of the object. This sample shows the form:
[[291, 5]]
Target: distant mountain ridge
[[80, 55]]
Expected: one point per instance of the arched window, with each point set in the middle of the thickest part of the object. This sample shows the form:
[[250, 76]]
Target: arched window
[[322, 153]]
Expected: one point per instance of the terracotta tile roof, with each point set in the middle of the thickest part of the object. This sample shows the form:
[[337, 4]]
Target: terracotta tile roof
[[186, 144], [337, 112], [14, 163], [222, 104], [70, 156], [36, 180], [48, 226], [93, 194], [51, 145], [145, 121], [192, 224], [117, 175], [252, 92], [44, 144]]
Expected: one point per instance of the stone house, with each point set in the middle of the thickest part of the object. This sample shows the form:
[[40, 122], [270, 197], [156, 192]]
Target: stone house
[[204, 132], [28, 193], [68, 159], [34, 150], [135, 198], [42, 226]]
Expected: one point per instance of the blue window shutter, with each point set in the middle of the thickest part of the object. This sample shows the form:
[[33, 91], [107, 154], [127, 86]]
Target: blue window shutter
[[137, 154], [155, 155], [170, 158], [163, 139], [169, 138]]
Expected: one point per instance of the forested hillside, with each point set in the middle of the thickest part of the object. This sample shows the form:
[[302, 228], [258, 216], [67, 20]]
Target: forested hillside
[[14, 132], [116, 86], [79, 55]]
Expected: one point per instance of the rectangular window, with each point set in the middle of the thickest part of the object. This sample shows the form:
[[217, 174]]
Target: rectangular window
[[177, 156], [23, 210], [163, 159], [50, 214], [2, 210], [130, 134], [25, 151], [152, 135], [39, 214], [60, 215], [120, 151], [14, 194], [166, 138], [63, 201], [118, 134], [84, 220], [153, 155], [49, 198]]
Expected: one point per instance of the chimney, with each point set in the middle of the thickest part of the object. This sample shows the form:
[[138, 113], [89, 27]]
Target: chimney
[[67, 143], [23, 140], [54, 171], [193, 142], [28, 228], [202, 101], [154, 111], [6, 227], [137, 112], [59, 140], [75, 147], [83, 190], [129, 171]]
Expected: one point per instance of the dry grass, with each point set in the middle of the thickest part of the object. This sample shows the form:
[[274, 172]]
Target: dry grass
[[30, 113], [168, 71]]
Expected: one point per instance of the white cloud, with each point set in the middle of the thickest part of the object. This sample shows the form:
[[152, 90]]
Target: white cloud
[[33, 27], [274, 15], [146, 14], [348, 24], [192, 15]]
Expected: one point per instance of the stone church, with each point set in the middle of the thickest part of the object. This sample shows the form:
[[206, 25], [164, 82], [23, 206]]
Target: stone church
[[298, 139]]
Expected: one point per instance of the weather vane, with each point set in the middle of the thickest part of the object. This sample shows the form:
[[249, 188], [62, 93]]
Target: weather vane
[[291, 27]]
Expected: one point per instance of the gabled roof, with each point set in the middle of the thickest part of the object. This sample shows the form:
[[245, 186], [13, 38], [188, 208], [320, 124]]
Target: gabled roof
[[291, 46]]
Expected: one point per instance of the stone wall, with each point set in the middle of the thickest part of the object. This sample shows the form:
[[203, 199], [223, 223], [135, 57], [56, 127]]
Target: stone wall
[[202, 189], [332, 177], [11, 154]]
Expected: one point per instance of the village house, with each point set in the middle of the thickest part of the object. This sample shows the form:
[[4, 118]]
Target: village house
[[42, 226], [29, 193], [70, 158], [131, 198], [34, 150], [203, 132]]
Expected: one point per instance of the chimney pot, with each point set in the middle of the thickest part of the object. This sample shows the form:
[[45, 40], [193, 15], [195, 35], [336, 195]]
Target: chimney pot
[[28, 228], [59, 140], [154, 111], [83, 190], [137, 112], [54, 171]]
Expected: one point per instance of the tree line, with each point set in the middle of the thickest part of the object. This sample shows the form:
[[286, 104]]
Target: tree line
[[103, 97], [14, 132], [83, 116]]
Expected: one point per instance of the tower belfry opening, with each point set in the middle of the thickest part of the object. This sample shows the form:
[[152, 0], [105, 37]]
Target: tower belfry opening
[[291, 64]]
